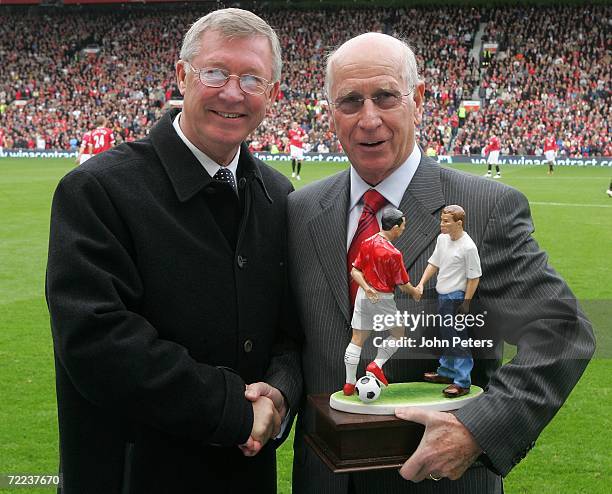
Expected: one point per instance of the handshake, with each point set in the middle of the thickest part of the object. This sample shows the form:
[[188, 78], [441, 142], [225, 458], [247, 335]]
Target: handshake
[[269, 410]]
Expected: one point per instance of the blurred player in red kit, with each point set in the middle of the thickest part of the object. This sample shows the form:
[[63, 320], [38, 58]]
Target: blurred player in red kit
[[102, 138], [296, 136], [1, 141], [493, 149], [550, 152], [85, 149]]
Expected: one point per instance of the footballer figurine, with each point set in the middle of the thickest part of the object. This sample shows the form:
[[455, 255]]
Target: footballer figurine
[[457, 263], [378, 269]]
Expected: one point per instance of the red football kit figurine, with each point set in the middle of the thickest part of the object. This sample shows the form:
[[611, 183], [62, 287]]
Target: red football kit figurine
[[377, 269]]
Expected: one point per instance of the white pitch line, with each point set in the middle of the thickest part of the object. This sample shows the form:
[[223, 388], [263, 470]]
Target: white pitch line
[[570, 204], [554, 178]]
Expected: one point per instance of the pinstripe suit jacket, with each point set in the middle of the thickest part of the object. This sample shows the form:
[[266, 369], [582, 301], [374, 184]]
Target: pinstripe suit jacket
[[554, 339]]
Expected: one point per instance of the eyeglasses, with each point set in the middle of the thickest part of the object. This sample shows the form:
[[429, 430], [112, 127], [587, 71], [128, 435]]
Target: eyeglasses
[[385, 100], [215, 77]]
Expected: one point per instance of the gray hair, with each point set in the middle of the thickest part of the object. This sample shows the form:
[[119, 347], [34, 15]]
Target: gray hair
[[410, 71], [232, 23]]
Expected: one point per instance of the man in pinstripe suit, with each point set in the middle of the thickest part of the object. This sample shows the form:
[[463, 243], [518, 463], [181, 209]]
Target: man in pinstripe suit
[[376, 102]]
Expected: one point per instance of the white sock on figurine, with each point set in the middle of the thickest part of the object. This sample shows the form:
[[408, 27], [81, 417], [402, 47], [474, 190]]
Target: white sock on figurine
[[351, 361]]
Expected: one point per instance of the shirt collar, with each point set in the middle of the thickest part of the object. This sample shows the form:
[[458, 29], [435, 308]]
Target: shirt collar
[[391, 188], [208, 163]]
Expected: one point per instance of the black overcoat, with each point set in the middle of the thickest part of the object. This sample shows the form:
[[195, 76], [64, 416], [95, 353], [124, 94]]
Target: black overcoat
[[160, 313]]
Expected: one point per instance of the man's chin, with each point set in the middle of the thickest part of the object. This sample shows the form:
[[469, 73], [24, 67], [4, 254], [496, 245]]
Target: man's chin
[[373, 170], [228, 137]]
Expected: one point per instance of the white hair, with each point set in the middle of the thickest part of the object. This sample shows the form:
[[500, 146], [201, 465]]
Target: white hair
[[232, 23], [410, 71]]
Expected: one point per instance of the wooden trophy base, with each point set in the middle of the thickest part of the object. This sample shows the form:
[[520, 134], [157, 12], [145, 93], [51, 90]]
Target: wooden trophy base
[[348, 442], [366, 440]]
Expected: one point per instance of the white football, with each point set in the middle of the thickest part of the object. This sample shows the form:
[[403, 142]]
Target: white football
[[368, 389]]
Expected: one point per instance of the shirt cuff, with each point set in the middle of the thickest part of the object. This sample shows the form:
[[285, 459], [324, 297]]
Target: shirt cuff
[[284, 424]]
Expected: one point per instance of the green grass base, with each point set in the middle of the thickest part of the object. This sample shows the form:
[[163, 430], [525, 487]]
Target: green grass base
[[409, 394]]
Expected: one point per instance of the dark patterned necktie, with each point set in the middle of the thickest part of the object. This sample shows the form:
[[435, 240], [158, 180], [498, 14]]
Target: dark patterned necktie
[[367, 226], [226, 176]]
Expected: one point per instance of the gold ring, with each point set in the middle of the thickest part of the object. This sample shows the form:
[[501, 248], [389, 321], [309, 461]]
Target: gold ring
[[435, 479]]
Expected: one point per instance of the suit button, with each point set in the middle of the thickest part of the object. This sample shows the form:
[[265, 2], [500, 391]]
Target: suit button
[[241, 261], [248, 346]]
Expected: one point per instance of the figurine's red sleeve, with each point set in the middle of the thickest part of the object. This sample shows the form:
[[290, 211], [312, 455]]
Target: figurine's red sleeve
[[402, 276], [358, 263]]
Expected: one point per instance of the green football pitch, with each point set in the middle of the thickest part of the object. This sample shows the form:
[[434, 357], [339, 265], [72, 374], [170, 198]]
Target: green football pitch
[[573, 219]]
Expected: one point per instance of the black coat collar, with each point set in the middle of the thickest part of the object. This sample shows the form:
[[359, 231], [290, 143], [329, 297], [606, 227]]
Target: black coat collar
[[187, 175]]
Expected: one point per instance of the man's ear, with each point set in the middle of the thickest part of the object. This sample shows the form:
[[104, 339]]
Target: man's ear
[[273, 95], [332, 122], [181, 75], [419, 102]]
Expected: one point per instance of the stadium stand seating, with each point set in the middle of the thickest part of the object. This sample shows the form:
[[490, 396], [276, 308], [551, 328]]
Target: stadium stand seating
[[551, 73]]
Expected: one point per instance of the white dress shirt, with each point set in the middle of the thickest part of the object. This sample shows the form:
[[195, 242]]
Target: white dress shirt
[[391, 188], [206, 161]]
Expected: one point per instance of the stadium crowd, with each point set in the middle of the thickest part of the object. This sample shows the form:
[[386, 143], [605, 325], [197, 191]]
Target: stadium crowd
[[553, 78], [551, 75]]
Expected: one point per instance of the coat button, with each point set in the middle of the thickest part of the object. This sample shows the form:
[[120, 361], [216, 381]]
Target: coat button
[[241, 261], [248, 346]]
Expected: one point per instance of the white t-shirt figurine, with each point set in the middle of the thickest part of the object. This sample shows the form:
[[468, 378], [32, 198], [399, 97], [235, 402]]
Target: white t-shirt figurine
[[457, 263]]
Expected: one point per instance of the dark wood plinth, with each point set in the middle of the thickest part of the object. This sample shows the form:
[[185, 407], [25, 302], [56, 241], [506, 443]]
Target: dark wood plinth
[[349, 442]]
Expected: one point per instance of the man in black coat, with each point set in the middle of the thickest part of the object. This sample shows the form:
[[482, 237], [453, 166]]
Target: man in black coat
[[166, 285]]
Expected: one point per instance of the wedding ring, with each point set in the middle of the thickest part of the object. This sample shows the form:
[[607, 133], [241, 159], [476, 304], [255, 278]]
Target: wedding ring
[[435, 479]]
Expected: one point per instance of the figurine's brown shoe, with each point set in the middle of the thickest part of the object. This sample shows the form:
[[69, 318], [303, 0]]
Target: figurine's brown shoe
[[434, 377], [455, 391]]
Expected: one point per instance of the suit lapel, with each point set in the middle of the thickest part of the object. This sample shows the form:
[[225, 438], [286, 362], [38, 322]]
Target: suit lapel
[[328, 231], [422, 199]]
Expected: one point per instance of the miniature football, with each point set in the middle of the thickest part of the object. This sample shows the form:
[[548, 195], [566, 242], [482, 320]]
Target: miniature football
[[368, 389]]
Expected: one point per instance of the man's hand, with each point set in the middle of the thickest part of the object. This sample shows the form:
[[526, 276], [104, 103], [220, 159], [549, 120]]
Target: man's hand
[[266, 424], [258, 389], [418, 294], [266, 420], [253, 393], [464, 308], [447, 448]]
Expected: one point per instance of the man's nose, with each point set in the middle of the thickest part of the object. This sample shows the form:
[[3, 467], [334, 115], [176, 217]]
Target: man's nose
[[232, 91], [369, 117]]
